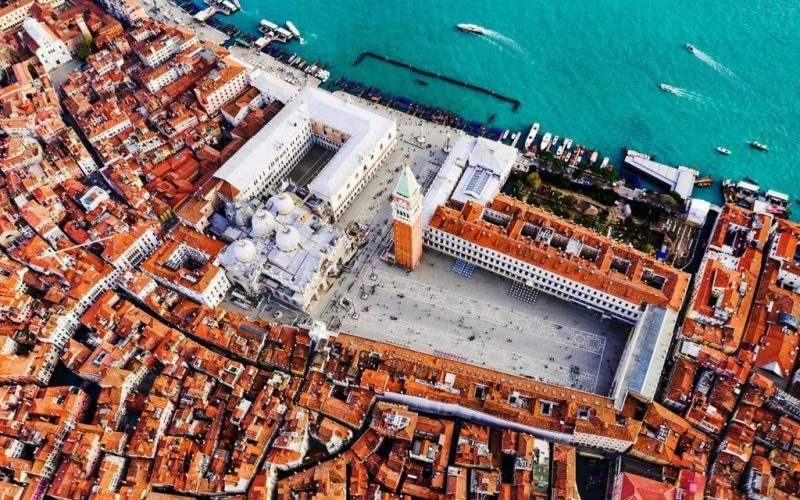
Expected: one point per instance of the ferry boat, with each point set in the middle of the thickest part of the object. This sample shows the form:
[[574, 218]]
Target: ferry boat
[[471, 28], [293, 29], [546, 141], [531, 136], [724, 151], [759, 146]]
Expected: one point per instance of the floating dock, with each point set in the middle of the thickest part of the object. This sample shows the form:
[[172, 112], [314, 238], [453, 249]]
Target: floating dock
[[514, 102], [678, 179], [205, 14], [273, 32], [224, 6]]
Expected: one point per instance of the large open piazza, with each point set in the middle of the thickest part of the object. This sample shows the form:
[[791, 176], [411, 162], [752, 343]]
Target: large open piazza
[[474, 319]]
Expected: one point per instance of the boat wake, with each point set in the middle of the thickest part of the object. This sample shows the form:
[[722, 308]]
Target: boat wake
[[687, 94], [302, 41], [505, 41], [711, 62]]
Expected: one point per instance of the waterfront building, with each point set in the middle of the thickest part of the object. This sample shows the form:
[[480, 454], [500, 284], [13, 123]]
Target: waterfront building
[[51, 51], [407, 219], [360, 139], [283, 249]]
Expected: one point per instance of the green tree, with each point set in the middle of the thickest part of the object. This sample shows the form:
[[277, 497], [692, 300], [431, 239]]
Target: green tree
[[534, 180], [677, 197], [85, 49], [520, 190]]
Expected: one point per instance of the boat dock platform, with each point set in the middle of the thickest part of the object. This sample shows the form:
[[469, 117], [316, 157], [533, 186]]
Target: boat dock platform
[[225, 6], [273, 32], [515, 102], [748, 194], [205, 14], [678, 179]]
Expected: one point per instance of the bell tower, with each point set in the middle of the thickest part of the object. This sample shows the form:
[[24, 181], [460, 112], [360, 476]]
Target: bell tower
[[407, 219]]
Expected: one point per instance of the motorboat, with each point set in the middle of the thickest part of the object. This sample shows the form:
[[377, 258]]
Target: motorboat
[[531, 136], [471, 28]]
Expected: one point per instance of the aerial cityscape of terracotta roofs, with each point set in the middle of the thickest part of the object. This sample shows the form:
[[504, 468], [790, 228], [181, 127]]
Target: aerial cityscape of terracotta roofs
[[221, 277]]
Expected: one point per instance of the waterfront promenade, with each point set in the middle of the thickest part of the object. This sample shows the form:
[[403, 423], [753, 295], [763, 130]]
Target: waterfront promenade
[[168, 12]]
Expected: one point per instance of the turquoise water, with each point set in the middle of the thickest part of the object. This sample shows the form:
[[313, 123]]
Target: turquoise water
[[587, 69]]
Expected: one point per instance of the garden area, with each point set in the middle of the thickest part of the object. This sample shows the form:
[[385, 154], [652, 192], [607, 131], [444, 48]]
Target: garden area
[[592, 206]]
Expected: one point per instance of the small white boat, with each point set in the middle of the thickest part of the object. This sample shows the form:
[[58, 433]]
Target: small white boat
[[545, 141], [505, 135], [690, 47], [554, 141], [724, 151], [293, 29], [667, 88], [604, 164]]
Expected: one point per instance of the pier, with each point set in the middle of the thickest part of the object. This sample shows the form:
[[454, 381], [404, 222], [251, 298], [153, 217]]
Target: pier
[[205, 15], [272, 31], [514, 102], [678, 179]]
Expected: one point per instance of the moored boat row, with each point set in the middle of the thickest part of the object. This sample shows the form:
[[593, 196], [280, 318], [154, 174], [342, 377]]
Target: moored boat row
[[564, 151]]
